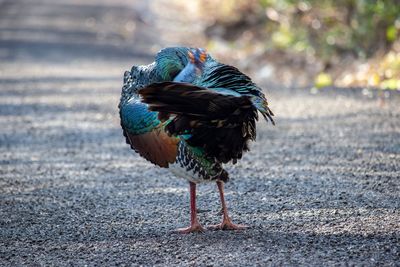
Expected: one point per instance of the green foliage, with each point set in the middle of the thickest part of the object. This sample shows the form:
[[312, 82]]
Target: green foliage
[[359, 27], [323, 80], [329, 27], [325, 31], [391, 84]]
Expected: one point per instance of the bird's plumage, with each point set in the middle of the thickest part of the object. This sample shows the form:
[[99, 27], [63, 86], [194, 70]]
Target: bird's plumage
[[220, 124], [190, 113], [215, 113]]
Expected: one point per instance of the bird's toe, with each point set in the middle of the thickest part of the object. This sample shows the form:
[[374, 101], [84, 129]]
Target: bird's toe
[[227, 225], [195, 228]]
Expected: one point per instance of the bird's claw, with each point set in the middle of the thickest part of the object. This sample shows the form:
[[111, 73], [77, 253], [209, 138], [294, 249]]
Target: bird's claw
[[227, 225], [194, 228]]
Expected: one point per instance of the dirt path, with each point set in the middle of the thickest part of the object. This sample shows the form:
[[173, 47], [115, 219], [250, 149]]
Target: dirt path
[[320, 188]]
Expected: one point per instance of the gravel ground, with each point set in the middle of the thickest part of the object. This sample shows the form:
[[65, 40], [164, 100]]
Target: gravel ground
[[320, 188]]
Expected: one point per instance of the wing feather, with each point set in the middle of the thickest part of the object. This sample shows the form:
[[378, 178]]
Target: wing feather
[[156, 146], [221, 124]]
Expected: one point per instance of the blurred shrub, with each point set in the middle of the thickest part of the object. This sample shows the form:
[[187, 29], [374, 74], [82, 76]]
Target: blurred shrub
[[334, 33], [325, 28], [322, 80]]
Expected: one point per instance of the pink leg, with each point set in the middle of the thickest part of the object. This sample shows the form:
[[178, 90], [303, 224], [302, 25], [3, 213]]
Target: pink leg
[[195, 226], [226, 223]]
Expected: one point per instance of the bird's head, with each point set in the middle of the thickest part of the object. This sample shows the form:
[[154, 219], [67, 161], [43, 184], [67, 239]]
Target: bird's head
[[197, 56]]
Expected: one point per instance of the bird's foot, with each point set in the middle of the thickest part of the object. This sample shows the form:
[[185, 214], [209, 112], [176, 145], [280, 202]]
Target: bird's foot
[[194, 228], [227, 224]]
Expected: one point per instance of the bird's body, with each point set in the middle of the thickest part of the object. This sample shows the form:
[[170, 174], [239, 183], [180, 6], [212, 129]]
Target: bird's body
[[189, 113]]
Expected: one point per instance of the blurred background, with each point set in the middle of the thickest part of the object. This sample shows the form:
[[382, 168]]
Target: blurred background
[[346, 43], [310, 43]]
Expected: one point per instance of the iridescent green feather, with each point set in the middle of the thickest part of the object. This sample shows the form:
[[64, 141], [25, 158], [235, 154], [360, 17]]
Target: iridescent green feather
[[170, 61], [137, 119]]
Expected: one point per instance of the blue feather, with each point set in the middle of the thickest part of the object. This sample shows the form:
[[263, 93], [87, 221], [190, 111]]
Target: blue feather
[[136, 117]]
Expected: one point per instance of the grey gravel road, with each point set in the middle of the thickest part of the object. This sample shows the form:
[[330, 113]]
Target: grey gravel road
[[320, 188]]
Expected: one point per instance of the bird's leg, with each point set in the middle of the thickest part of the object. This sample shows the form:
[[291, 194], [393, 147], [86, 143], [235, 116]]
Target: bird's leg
[[226, 223], [195, 226]]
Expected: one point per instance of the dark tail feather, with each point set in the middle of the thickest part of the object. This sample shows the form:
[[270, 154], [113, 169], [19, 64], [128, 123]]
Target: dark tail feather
[[268, 115], [188, 99]]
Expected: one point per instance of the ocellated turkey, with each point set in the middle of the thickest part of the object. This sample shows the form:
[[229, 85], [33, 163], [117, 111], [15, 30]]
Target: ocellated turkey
[[189, 113]]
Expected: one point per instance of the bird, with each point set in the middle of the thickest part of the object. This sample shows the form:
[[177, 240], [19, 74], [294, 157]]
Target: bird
[[190, 113]]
